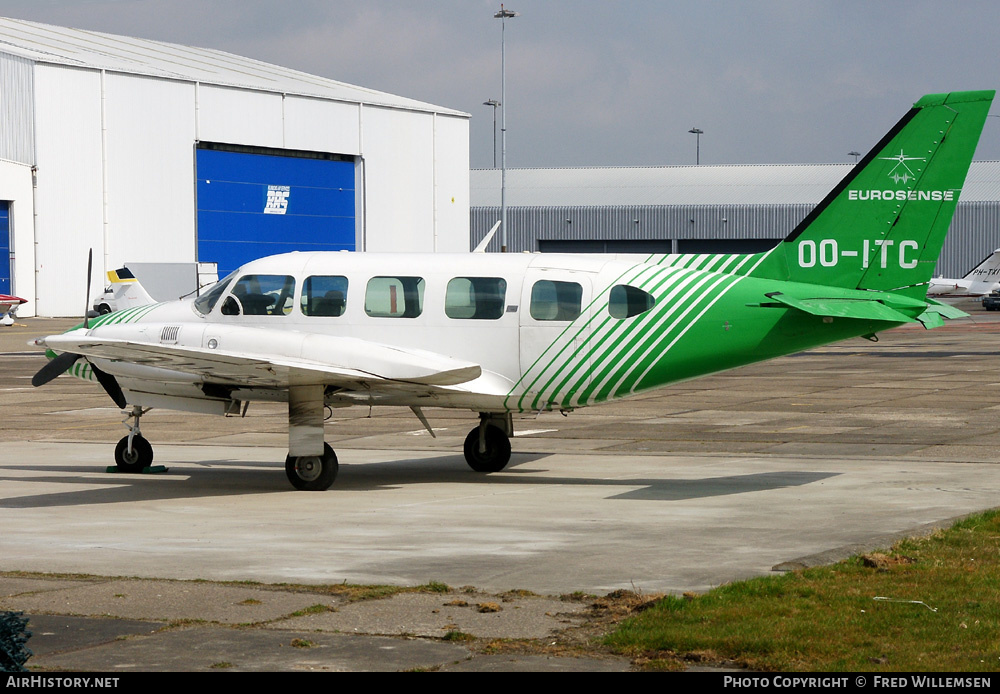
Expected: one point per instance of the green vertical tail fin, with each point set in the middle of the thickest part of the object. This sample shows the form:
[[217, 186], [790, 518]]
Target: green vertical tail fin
[[883, 226]]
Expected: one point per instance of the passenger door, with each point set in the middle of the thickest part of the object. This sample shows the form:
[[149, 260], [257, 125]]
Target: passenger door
[[554, 330]]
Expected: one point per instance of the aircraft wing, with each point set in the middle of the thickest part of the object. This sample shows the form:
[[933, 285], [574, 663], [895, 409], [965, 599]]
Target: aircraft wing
[[312, 359]]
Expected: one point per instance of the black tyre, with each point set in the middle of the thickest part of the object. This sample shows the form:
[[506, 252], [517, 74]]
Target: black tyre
[[312, 473], [104, 309], [140, 458], [497, 453]]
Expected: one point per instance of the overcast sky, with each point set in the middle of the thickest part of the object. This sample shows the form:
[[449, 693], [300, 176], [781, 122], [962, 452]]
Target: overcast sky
[[603, 83]]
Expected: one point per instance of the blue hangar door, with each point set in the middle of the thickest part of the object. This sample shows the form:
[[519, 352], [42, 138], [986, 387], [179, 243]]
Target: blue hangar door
[[253, 203], [4, 247]]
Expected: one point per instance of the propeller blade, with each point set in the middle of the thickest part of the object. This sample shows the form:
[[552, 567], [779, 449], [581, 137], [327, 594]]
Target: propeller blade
[[86, 304], [55, 367], [111, 387]]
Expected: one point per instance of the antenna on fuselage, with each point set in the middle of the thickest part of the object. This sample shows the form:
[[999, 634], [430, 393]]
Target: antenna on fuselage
[[481, 248]]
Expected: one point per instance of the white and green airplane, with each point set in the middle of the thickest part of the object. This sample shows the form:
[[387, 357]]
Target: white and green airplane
[[501, 334]]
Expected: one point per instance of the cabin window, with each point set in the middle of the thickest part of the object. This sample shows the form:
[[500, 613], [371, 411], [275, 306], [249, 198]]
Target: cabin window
[[207, 301], [627, 301], [324, 295], [554, 300], [478, 298], [394, 297], [261, 295]]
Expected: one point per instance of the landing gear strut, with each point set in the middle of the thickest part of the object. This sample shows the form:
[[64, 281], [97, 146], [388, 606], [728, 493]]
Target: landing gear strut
[[487, 447], [133, 453]]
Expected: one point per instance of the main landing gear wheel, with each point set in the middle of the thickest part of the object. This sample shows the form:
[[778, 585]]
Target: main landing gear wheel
[[312, 473], [495, 453], [139, 458]]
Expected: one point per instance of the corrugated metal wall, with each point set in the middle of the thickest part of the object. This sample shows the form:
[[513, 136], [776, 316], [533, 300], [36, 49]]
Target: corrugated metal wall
[[17, 135], [528, 225], [974, 233]]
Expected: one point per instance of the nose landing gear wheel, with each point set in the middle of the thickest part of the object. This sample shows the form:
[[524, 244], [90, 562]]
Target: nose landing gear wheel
[[140, 457], [312, 473], [496, 453]]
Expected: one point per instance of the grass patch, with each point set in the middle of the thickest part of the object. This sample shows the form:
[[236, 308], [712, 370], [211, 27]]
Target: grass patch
[[516, 593], [939, 610], [433, 587], [458, 636], [314, 609]]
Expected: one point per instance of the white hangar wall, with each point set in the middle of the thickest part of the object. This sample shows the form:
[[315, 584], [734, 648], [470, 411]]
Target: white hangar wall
[[115, 170], [451, 184], [16, 187], [68, 194]]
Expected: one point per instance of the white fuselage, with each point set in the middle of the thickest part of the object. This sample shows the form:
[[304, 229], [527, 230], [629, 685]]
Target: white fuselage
[[505, 342]]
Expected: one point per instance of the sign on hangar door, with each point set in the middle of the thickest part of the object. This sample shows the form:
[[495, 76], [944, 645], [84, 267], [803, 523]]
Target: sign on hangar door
[[254, 203]]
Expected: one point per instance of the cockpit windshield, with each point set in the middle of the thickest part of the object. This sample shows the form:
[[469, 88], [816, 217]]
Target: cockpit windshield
[[206, 302]]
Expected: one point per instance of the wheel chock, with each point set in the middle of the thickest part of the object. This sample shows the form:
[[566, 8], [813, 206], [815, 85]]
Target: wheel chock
[[150, 470]]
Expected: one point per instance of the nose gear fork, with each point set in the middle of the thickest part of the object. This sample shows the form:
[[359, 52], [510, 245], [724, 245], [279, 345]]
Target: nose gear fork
[[133, 429], [133, 453]]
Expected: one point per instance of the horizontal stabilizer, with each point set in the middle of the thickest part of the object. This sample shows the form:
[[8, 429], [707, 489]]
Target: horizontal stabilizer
[[945, 310], [931, 319], [858, 309], [937, 311]]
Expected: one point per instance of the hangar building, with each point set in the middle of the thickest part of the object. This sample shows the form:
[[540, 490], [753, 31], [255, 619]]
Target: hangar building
[[696, 209], [153, 152]]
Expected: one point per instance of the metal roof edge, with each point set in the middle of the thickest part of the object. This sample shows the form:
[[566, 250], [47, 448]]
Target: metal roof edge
[[146, 67]]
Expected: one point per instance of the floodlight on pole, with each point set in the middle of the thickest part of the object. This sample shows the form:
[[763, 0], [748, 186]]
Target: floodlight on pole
[[697, 151], [494, 103], [503, 15], [855, 154]]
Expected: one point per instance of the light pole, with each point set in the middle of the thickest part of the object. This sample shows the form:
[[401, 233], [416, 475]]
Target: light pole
[[697, 144], [855, 154], [503, 15], [494, 103]]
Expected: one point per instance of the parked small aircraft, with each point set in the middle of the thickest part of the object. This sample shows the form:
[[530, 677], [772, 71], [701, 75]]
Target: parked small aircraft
[[8, 307], [501, 334], [123, 291], [980, 280]]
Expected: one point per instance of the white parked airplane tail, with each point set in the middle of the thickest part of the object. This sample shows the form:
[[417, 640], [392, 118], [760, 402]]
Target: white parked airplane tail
[[984, 277], [980, 280], [124, 291]]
